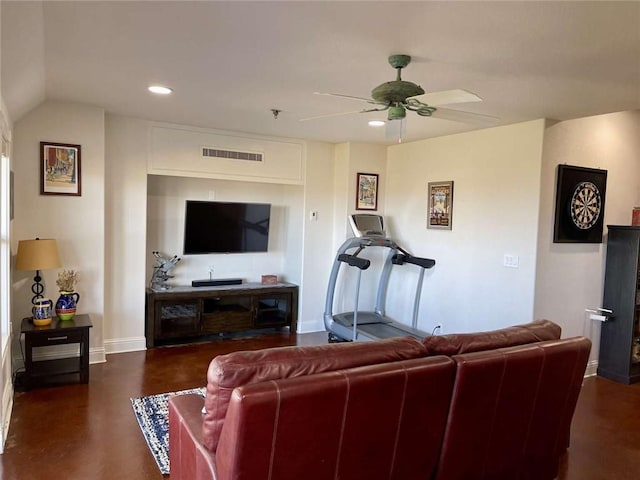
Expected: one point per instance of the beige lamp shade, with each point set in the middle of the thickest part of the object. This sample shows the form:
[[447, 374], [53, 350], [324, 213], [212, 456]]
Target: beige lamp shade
[[38, 254]]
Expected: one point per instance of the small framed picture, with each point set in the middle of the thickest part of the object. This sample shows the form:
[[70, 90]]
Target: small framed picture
[[440, 205], [60, 169], [367, 191]]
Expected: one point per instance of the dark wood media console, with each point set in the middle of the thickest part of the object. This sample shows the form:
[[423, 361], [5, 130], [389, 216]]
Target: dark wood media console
[[188, 314]]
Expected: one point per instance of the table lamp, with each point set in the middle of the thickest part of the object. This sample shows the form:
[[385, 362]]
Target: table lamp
[[38, 254]]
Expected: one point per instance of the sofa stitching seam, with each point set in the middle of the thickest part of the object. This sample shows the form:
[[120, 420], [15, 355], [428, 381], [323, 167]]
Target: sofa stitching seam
[[276, 422], [342, 426], [400, 416]]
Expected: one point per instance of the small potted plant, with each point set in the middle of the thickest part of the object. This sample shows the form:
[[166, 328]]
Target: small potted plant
[[69, 298]]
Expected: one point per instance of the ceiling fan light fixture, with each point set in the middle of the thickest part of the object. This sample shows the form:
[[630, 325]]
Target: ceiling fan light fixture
[[376, 123], [396, 112], [160, 90]]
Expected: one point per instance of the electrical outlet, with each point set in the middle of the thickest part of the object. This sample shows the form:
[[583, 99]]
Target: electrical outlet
[[511, 261]]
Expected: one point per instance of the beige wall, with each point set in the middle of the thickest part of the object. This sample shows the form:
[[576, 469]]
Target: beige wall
[[76, 222], [569, 276], [318, 249], [125, 232], [496, 175]]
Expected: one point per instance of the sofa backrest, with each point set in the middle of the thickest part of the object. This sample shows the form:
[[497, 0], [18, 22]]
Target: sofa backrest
[[226, 372], [383, 421], [457, 343], [511, 411]]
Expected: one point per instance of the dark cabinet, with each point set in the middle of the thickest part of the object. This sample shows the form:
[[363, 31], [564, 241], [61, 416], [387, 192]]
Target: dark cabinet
[[176, 318], [227, 313], [271, 310], [620, 336], [185, 314]]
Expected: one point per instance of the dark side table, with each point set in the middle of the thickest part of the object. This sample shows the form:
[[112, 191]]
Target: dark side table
[[59, 370]]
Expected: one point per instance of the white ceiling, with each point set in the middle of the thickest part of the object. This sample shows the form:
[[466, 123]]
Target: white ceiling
[[230, 63]]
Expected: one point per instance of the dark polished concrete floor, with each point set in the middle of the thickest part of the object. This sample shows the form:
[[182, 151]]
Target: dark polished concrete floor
[[89, 431]]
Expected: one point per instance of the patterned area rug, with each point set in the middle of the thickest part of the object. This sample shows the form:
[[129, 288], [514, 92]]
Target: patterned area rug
[[152, 413]]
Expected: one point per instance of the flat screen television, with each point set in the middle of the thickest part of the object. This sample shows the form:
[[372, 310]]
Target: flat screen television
[[226, 227]]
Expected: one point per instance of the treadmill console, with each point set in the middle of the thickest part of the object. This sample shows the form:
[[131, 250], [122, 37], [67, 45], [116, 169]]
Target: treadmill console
[[367, 225]]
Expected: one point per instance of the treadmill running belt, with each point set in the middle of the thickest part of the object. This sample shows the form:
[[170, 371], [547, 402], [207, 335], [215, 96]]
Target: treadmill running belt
[[387, 330]]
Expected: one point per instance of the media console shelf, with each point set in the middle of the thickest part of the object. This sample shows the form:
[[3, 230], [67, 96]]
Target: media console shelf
[[187, 314]]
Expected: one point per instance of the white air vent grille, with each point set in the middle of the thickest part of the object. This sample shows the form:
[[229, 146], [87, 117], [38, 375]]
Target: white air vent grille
[[232, 154]]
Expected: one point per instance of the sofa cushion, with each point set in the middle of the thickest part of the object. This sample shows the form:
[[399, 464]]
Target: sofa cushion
[[227, 372], [457, 343]]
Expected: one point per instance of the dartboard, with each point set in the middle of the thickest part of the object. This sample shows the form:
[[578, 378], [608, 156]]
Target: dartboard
[[586, 205]]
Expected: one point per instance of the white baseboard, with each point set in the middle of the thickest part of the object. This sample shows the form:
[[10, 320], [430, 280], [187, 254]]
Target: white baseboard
[[54, 352], [97, 355], [310, 327], [592, 368], [123, 345], [7, 409], [6, 405]]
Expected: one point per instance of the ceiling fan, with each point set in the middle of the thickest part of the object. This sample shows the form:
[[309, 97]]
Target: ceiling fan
[[398, 96]]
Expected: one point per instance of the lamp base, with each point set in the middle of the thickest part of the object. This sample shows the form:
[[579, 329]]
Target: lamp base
[[37, 288]]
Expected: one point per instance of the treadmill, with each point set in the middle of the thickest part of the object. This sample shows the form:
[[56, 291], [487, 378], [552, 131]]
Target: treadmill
[[371, 325]]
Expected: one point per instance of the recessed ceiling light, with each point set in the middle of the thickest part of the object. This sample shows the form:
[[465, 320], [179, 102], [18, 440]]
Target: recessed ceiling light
[[160, 90], [376, 123]]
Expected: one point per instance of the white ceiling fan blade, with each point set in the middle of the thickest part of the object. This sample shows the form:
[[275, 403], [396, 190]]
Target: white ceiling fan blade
[[339, 95], [366, 110], [351, 97], [395, 130], [447, 97], [328, 115], [465, 117]]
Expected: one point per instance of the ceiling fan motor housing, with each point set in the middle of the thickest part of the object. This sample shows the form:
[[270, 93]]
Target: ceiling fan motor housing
[[396, 91]]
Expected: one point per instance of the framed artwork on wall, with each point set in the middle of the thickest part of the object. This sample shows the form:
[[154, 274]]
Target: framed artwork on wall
[[580, 197], [60, 169], [367, 191], [440, 205]]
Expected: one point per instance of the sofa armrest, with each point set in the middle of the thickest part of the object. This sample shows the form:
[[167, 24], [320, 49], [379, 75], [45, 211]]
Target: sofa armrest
[[188, 458]]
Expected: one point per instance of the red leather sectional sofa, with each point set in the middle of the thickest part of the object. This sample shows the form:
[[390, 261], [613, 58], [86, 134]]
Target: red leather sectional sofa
[[491, 405]]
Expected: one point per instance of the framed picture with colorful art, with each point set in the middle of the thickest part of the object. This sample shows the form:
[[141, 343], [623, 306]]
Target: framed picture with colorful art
[[60, 169], [440, 205], [367, 191]]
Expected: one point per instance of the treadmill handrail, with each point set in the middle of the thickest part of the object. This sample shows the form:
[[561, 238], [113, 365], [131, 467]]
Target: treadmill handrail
[[353, 261], [403, 258], [422, 262]]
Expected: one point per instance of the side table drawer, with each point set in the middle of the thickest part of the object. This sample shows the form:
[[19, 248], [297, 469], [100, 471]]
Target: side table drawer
[[55, 338]]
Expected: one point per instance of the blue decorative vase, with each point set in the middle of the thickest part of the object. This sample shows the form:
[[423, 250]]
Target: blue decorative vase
[[66, 305], [42, 312]]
